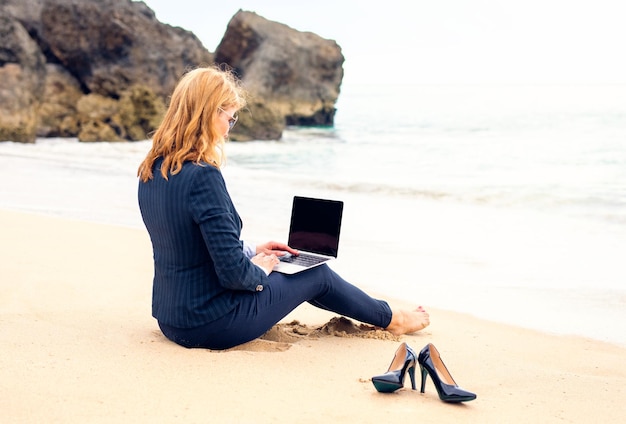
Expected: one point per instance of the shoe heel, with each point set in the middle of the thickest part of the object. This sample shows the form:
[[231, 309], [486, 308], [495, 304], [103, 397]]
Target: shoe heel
[[424, 373], [412, 376]]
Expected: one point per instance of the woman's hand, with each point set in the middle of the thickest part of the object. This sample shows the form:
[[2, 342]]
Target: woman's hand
[[266, 262], [275, 248], [268, 253]]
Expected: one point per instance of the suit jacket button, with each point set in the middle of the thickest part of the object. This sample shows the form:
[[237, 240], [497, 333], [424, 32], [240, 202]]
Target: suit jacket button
[[259, 288]]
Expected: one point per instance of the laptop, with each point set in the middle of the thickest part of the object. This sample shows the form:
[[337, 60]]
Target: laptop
[[314, 232]]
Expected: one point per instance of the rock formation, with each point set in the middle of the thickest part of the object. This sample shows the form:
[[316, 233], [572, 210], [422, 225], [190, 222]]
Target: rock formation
[[81, 68], [294, 77], [103, 70]]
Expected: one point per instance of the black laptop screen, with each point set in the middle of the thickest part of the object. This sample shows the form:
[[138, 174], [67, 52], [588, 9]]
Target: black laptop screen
[[315, 225]]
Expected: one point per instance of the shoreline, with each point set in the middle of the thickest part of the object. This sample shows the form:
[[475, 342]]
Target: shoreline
[[525, 268], [79, 343]]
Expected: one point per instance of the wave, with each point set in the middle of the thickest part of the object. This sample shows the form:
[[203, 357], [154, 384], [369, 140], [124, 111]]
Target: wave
[[607, 207]]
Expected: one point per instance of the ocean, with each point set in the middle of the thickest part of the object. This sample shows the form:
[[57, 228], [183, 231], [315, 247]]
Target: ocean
[[504, 202]]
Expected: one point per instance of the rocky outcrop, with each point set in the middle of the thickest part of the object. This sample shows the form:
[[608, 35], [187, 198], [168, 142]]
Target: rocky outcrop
[[103, 70], [294, 77], [74, 67]]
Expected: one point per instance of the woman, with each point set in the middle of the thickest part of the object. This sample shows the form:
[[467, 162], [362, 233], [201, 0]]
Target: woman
[[211, 289]]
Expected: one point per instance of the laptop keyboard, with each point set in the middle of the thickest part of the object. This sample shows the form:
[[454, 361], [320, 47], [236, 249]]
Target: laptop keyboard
[[303, 259]]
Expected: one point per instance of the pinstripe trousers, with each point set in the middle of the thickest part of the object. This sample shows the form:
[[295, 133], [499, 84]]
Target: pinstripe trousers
[[257, 312]]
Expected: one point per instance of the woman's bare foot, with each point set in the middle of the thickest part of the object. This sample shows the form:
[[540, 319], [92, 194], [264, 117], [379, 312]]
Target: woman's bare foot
[[407, 322]]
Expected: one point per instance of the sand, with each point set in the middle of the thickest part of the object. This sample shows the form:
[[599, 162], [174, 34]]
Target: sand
[[79, 345]]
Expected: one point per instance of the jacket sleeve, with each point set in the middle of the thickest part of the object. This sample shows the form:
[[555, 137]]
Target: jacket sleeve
[[220, 225]]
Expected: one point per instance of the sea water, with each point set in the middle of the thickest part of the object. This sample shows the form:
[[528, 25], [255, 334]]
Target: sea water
[[505, 202]]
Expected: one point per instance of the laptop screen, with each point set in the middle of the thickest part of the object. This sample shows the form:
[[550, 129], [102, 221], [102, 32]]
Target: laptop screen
[[315, 225]]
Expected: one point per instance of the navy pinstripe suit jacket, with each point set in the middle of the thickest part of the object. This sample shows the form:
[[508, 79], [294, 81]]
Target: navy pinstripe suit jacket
[[199, 263]]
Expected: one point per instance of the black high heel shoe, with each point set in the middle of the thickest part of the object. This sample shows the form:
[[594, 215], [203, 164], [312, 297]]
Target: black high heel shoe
[[431, 363], [404, 360]]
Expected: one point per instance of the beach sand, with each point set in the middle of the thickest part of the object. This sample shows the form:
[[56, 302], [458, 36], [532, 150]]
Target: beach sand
[[79, 345]]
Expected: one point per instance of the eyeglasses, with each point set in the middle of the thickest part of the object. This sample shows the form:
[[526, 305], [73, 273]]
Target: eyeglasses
[[232, 120]]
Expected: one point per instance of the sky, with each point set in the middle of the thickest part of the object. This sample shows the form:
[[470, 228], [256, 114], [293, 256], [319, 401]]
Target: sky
[[441, 41]]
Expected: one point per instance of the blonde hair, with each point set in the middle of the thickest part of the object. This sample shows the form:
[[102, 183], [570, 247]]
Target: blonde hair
[[187, 132]]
